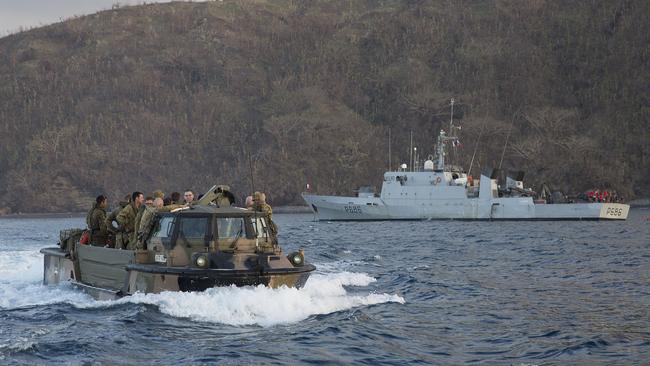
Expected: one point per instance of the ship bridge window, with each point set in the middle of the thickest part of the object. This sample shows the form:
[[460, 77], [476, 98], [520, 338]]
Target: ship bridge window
[[230, 227], [193, 227]]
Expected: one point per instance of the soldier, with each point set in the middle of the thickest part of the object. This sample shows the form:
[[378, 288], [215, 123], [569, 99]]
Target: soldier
[[116, 239], [136, 223], [188, 196], [259, 204], [126, 218], [158, 194], [145, 223], [176, 198], [148, 201], [97, 222], [249, 202]]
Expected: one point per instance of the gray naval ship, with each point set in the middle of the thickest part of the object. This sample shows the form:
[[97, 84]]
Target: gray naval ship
[[440, 191]]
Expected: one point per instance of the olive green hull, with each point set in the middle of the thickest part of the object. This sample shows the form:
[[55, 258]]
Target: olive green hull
[[108, 274], [154, 278]]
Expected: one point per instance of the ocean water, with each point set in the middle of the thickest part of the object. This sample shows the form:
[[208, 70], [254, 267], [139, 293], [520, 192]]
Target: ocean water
[[411, 292]]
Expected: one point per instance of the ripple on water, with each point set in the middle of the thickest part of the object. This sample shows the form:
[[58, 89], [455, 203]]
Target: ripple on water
[[385, 293]]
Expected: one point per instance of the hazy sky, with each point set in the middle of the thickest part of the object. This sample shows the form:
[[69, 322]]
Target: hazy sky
[[34, 13]]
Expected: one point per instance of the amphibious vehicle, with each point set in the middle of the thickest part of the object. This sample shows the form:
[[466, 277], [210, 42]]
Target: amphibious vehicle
[[190, 249]]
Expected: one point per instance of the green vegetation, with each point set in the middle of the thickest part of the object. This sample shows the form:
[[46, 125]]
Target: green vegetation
[[180, 95]]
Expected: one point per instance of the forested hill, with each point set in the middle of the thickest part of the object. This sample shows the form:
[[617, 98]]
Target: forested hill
[[179, 95]]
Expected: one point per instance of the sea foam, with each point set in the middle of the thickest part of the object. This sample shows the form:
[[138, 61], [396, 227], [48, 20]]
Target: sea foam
[[21, 273], [264, 306]]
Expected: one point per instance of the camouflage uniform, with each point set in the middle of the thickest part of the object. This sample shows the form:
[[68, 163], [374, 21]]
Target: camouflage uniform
[[169, 208], [144, 226], [268, 212], [116, 234], [136, 224], [126, 219], [97, 226], [264, 207]]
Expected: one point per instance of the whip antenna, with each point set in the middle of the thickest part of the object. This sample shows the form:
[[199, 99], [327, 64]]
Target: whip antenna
[[250, 165], [505, 145]]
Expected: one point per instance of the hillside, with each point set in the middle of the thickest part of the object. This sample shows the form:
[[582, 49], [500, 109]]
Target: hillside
[[180, 95]]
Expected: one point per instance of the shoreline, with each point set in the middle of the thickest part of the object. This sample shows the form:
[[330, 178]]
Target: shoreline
[[54, 215]]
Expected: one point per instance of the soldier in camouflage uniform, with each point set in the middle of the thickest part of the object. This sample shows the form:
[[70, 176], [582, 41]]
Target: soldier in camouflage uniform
[[136, 224], [259, 204], [126, 218], [145, 222], [116, 239], [97, 222]]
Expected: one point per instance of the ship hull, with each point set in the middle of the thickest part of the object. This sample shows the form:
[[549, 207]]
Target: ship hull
[[337, 208]]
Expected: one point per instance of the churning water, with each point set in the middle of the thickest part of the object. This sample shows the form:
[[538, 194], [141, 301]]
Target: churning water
[[419, 292]]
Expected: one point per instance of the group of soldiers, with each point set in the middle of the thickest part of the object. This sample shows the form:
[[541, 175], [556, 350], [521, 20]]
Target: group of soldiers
[[127, 226]]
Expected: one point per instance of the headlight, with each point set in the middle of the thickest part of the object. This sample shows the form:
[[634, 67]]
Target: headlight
[[201, 261], [297, 259]]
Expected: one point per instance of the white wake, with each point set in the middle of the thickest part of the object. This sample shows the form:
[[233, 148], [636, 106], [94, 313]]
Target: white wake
[[21, 273]]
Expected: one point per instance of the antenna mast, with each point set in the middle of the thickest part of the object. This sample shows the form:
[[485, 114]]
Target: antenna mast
[[503, 153], [250, 165], [411, 151], [390, 164], [471, 162], [451, 120]]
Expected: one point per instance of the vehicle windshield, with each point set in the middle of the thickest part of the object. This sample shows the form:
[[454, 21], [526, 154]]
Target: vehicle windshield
[[193, 227], [230, 227], [164, 227]]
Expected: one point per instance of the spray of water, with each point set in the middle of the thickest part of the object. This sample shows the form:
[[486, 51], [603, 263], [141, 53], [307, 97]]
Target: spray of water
[[21, 275]]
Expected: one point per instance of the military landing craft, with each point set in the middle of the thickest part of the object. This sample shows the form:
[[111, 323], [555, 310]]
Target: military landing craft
[[189, 249]]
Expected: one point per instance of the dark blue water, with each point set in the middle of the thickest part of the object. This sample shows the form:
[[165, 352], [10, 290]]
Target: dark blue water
[[431, 292]]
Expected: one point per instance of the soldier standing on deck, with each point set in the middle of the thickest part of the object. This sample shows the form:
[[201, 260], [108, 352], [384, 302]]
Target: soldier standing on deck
[[126, 218], [259, 204], [97, 222], [115, 234]]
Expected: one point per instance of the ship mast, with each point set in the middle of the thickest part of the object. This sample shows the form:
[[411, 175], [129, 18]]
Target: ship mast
[[442, 137]]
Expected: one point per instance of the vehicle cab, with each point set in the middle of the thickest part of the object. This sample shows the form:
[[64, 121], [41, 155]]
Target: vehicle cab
[[210, 237]]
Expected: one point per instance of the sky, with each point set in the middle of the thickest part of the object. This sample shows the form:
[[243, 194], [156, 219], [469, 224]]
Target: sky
[[15, 14]]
